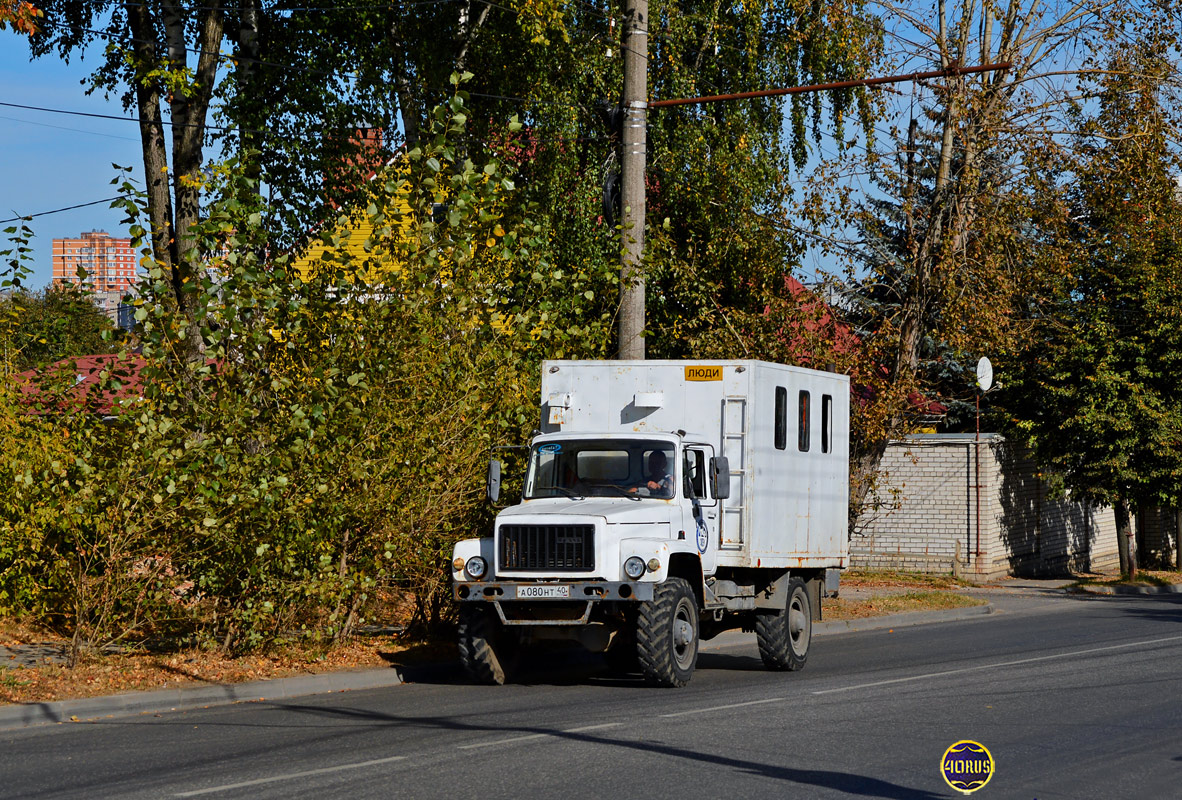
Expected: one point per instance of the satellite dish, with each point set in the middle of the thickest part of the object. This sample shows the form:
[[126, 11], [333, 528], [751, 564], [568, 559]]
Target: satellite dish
[[984, 374]]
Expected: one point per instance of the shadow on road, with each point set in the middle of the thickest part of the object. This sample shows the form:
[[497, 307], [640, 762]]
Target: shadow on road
[[1154, 607], [565, 667], [731, 662], [848, 782]]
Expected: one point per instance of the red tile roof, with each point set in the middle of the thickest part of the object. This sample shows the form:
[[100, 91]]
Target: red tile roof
[[79, 383]]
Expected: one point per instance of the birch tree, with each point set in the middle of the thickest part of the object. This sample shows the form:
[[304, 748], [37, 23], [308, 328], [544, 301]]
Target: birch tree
[[961, 172]]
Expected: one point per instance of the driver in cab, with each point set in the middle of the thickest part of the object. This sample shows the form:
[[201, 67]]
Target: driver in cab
[[659, 482]]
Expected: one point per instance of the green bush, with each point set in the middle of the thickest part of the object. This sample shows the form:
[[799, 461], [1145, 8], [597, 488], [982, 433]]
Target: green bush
[[328, 441]]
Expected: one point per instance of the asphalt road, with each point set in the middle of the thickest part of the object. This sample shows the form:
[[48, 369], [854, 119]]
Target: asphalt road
[[1074, 697]]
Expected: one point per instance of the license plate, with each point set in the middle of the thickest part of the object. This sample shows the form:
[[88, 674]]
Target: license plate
[[543, 592]]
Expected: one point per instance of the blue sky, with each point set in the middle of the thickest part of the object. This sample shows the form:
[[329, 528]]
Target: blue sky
[[50, 160]]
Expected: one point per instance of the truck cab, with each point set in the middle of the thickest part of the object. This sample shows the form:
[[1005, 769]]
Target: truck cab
[[603, 520], [633, 496]]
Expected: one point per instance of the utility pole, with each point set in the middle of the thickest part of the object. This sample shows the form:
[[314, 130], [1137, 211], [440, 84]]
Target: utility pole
[[634, 143]]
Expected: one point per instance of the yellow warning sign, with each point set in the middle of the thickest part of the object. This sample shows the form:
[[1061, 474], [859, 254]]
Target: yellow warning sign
[[703, 373]]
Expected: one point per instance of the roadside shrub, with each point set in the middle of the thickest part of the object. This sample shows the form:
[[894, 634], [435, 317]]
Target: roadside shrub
[[329, 439]]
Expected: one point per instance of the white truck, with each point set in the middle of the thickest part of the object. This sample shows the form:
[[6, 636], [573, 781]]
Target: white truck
[[664, 502]]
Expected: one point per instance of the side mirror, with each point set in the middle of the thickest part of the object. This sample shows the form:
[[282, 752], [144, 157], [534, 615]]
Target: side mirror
[[720, 477], [493, 486]]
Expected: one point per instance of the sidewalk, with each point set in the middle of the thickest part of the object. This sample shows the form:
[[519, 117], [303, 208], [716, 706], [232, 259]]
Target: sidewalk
[[30, 655], [1065, 586]]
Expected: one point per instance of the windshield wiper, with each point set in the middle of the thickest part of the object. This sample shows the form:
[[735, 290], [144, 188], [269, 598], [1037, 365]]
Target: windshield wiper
[[567, 492], [623, 491]]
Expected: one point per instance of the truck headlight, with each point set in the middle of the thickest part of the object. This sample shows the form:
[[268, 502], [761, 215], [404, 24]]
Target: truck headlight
[[634, 567], [476, 567]]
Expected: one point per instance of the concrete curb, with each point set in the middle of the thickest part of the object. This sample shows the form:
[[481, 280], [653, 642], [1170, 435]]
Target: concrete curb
[[1173, 588], [124, 705]]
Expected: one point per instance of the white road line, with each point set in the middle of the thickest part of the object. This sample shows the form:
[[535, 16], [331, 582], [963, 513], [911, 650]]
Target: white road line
[[999, 664], [493, 742], [724, 708], [594, 727], [291, 776]]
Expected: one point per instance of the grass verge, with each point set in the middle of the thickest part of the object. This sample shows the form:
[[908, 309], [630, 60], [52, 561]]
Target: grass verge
[[846, 608], [879, 579], [1147, 577], [47, 678]]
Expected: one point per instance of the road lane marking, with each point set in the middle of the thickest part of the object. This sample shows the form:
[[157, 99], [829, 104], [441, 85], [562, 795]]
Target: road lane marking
[[527, 738], [505, 741], [599, 727], [724, 708], [290, 776], [999, 664]]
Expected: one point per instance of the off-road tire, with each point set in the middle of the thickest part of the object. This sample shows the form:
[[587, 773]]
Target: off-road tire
[[488, 652], [667, 634], [784, 635]]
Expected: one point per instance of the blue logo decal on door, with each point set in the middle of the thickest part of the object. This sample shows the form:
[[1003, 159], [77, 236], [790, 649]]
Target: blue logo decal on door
[[703, 535]]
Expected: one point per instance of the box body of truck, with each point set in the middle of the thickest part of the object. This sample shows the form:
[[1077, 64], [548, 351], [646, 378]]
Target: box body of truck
[[748, 515], [784, 431]]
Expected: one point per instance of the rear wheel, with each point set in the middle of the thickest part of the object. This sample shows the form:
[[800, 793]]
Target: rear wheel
[[488, 652], [667, 634], [784, 635]]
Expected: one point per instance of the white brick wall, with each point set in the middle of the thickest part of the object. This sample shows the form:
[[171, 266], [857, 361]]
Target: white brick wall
[[1157, 528], [928, 519]]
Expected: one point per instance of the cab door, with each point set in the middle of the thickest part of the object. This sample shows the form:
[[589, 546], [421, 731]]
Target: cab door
[[700, 511]]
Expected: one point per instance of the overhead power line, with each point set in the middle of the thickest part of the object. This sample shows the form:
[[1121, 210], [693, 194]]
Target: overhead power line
[[110, 116], [65, 111], [64, 128], [59, 210], [828, 87], [391, 6]]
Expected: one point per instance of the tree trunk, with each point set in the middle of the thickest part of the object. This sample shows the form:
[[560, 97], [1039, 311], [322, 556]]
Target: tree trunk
[[469, 31], [248, 73], [171, 214], [863, 479], [1124, 538], [1178, 539], [189, 113], [405, 96], [147, 95], [1140, 529]]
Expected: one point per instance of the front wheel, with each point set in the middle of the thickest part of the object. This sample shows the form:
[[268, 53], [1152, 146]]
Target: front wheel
[[487, 651], [784, 635], [667, 634]]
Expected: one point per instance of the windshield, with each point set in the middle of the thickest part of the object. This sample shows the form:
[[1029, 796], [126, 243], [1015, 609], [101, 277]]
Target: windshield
[[588, 468]]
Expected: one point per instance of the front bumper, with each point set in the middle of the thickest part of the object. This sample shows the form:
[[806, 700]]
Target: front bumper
[[586, 591]]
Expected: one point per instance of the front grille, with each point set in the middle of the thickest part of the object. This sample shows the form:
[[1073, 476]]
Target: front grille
[[537, 548]]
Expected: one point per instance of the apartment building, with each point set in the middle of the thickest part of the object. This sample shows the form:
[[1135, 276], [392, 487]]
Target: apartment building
[[110, 266]]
